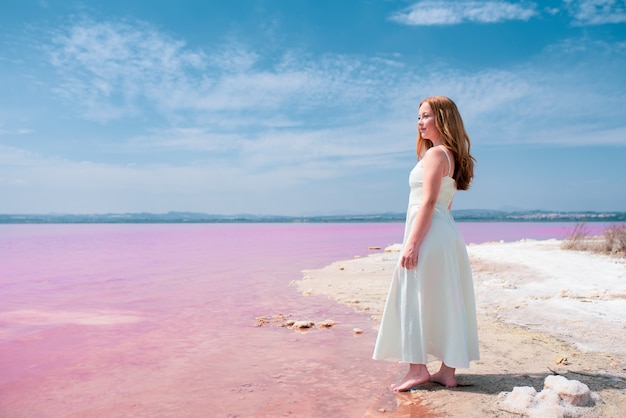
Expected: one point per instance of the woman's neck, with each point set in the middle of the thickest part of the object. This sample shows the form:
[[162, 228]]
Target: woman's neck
[[436, 142]]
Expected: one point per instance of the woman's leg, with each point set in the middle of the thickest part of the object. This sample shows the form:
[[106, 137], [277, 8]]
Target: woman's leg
[[445, 376], [418, 374]]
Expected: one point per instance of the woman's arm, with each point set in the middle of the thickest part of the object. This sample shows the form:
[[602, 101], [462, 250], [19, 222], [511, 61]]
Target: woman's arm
[[434, 164]]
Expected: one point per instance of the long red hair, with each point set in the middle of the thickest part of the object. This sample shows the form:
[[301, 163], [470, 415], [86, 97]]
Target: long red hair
[[452, 131]]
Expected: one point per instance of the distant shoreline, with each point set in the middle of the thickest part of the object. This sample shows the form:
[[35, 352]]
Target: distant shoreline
[[193, 217]]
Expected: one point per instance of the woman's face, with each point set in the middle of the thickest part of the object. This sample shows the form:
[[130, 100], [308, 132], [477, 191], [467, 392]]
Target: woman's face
[[426, 123]]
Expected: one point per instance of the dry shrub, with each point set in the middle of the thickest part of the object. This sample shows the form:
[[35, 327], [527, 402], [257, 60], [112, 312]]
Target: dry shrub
[[615, 239], [577, 238], [612, 240]]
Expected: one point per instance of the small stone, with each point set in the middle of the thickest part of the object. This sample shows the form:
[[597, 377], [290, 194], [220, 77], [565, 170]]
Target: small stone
[[357, 331], [326, 324], [261, 320], [561, 360], [303, 324]]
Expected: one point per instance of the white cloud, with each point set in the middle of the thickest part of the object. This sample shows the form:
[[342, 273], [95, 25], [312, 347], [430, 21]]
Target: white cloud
[[597, 12], [233, 123], [112, 65], [231, 100], [234, 57], [114, 70], [213, 108], [583, 12], [193, 138], [40, 183], [18, 131], [427, 13]]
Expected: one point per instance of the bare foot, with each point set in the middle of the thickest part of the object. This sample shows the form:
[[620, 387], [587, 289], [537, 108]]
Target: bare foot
[[418, 374], [445, 378]]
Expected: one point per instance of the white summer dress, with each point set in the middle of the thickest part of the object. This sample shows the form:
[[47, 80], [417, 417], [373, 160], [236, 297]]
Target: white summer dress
[[430, 312]]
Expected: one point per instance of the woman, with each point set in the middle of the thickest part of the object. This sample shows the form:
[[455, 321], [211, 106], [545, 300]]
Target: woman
[[430, 311]]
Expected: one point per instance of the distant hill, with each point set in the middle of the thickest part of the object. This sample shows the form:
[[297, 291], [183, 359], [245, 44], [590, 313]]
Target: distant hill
[[537, 216], [194, 217]]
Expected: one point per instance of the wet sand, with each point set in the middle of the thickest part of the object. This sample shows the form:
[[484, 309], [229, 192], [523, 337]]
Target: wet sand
[[541, 310]]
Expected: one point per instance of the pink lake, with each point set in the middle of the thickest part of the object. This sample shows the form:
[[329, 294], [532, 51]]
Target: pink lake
[[157, 320]]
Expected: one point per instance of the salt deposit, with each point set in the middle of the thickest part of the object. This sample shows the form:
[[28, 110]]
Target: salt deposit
[[560, 397]]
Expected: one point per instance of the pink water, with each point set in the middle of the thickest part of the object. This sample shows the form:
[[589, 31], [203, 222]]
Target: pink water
[[158, 320]]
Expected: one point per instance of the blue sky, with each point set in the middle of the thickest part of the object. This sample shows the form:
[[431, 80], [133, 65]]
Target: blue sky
[[305, 107]]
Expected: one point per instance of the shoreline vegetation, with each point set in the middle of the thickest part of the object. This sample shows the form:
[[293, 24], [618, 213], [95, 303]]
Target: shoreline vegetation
[[473, 215], [612, 241]]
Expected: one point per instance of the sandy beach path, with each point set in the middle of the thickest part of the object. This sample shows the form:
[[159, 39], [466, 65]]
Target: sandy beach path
[[541, 309]]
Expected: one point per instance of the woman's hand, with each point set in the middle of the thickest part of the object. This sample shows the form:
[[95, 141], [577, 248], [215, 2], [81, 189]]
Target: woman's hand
[[408, 258]]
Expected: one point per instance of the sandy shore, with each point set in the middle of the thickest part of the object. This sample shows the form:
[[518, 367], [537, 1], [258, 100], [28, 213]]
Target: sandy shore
[[541, 309]]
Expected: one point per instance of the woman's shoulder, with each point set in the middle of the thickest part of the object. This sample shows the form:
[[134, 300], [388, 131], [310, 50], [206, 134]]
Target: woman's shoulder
[[435, 158], [435, 153]]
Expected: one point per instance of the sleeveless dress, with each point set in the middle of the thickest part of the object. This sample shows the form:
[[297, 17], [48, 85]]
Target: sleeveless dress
[[430, 312]]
